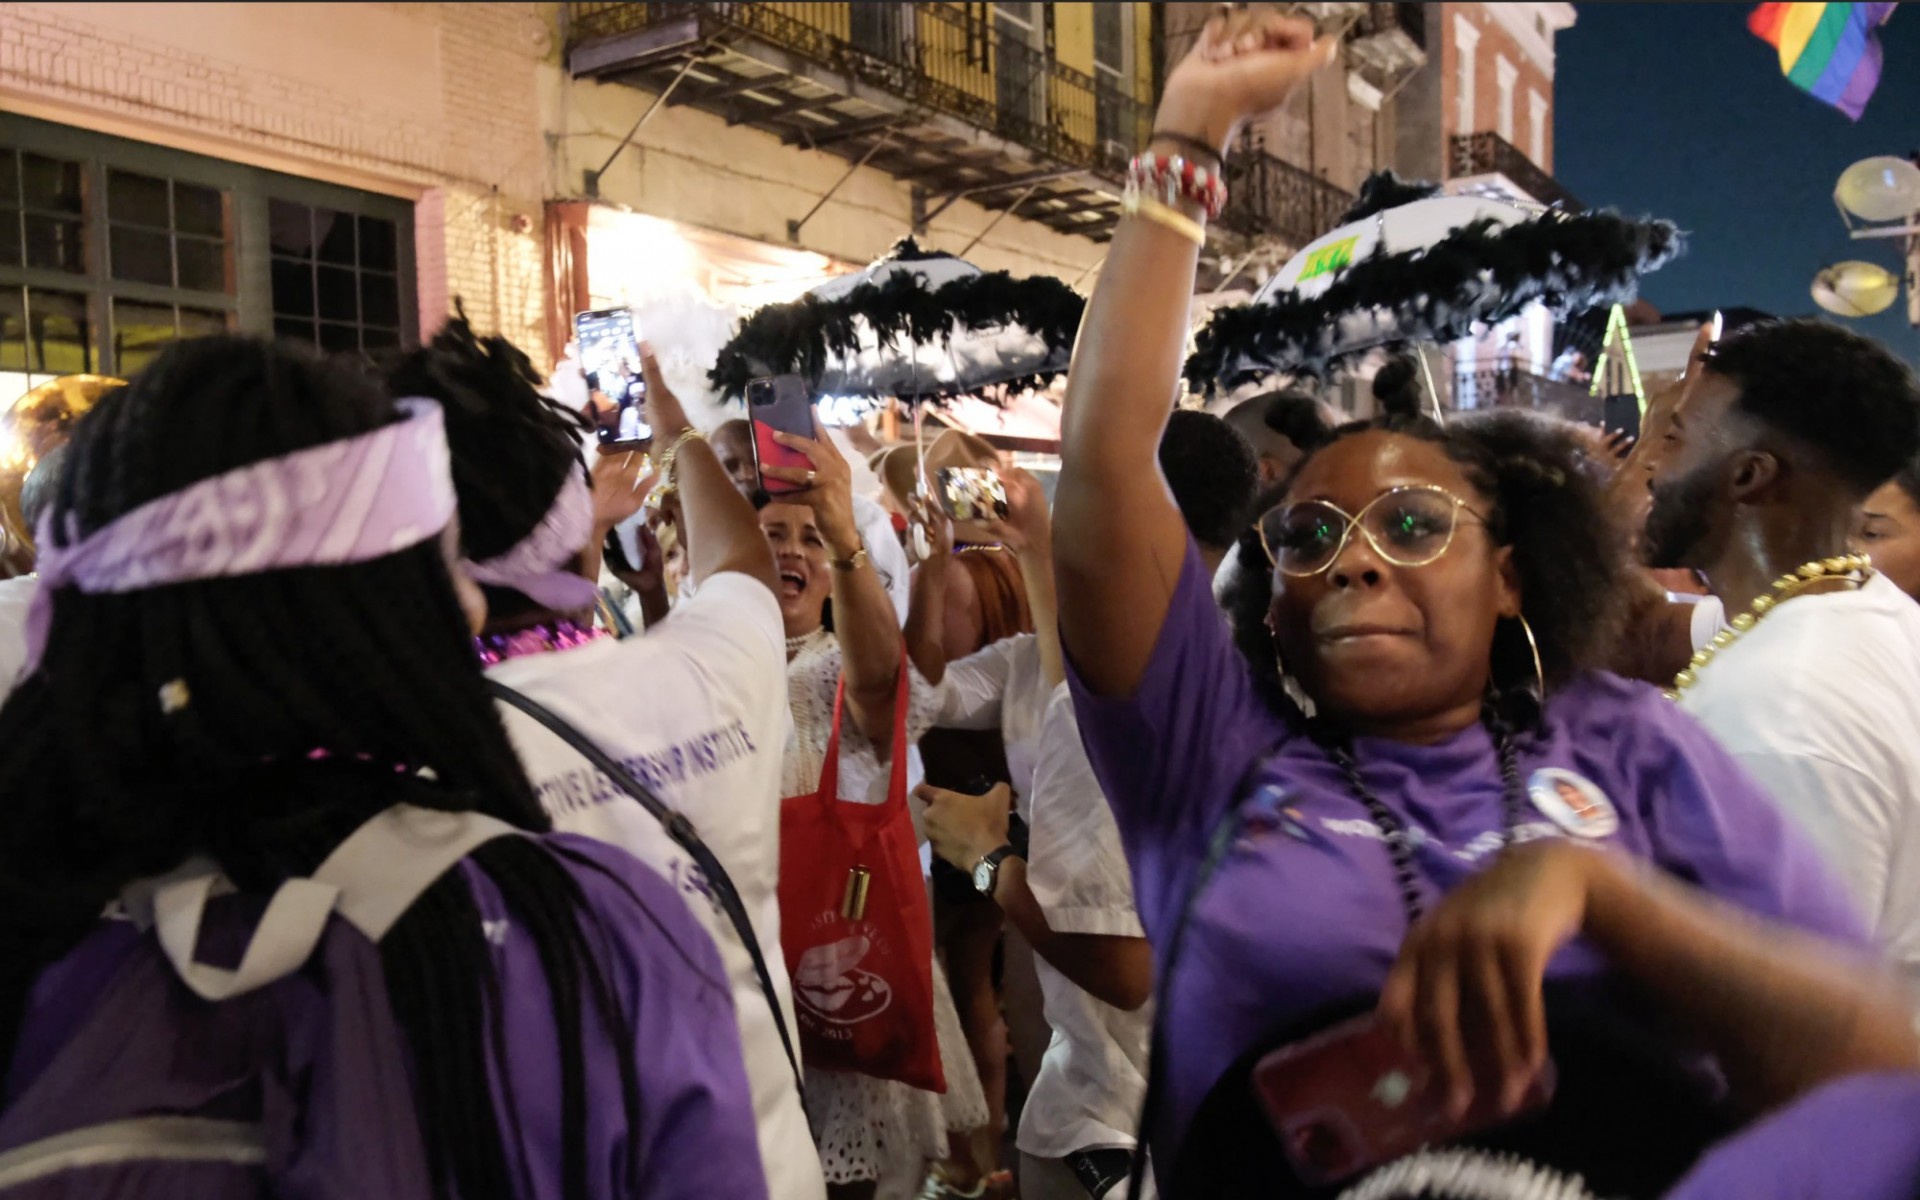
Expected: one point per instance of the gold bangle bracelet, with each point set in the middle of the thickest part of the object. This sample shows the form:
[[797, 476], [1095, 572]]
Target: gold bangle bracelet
[[668, 459], [1161, 214]]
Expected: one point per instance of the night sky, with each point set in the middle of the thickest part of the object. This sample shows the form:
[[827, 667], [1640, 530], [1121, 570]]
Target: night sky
[[1677, 111]]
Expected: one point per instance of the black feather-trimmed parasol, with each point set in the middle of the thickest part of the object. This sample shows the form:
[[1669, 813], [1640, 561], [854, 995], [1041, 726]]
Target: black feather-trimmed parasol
[[916, 324], [1427, 270]]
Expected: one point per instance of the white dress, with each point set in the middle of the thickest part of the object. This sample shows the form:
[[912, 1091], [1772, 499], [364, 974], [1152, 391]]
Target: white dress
[[871, 1128]]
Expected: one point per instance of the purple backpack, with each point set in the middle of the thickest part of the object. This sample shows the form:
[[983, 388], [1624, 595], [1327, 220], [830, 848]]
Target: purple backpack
[[202, 1044]]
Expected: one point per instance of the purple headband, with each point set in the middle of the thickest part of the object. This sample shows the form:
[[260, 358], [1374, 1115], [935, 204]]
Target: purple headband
[[348, 501], [534, 565]]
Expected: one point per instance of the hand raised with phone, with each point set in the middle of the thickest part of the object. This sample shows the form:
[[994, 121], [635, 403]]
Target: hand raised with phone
[[827, 488], [623, 478], [664, 411], [1027, 529]]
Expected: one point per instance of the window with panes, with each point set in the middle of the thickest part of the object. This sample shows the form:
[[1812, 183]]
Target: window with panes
[[1113, 72], [1020, 65], [111, 248]]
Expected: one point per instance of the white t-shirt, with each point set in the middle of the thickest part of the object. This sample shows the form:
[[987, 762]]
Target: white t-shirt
[[696, 709], [1708, 617], [15, 596], [1093, 1079], [1000, 686], [1821, 702]]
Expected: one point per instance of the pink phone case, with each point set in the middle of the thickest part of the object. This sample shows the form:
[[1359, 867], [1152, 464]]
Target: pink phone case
[[789, 411], [1352, 1098], [769, 453]]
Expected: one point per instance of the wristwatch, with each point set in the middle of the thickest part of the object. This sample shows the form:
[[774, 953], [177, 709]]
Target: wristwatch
[[851, 563], [986, 872]]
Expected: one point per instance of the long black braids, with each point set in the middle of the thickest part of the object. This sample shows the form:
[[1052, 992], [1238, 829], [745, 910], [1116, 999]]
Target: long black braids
[[512, 448], [106, 782]]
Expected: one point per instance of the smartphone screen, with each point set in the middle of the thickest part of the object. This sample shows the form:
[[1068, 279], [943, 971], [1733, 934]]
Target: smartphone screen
[[1353, 1098], [616, 388], [779, 403], [1621, 414], [971, 493]]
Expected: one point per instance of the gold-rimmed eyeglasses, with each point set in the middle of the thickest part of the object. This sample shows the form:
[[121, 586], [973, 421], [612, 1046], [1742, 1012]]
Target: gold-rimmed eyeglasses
[[1406, 526]]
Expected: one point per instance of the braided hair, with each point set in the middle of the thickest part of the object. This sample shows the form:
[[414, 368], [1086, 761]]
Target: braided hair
[[511, 446], [1546, 501], [368, 659]]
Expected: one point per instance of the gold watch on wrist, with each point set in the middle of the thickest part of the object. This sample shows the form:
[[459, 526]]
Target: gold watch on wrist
[[852, 562]]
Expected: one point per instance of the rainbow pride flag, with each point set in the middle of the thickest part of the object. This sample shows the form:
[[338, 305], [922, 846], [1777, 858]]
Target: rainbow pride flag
[[1828, 50]]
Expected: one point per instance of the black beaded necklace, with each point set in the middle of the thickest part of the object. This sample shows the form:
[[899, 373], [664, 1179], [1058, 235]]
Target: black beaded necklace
[[1393, 829]]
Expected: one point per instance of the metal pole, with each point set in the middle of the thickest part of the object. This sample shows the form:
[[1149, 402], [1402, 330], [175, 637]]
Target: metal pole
[[794, 227], [593, 177], [1001, 216], [1433, 393]]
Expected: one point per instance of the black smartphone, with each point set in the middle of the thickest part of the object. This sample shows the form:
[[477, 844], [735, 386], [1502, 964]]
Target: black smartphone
[[1621, 414], [616, 387], [781, 403]]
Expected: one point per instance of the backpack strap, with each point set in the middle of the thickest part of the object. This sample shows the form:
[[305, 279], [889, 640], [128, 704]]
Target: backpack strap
[[387, 863], [371, 879], [680, 828]]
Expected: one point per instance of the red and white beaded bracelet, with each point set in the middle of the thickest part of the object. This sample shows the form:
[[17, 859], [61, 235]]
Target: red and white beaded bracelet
[[1170, 177]]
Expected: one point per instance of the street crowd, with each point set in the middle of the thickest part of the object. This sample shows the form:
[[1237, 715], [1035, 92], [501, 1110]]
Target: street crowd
[[1430, 805]]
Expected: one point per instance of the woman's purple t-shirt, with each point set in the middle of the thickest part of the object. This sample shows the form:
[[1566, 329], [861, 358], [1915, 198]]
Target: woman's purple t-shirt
[[1303, 911]]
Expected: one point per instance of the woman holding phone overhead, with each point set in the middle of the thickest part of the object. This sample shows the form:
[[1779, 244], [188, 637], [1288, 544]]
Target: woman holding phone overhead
[[876, 1136], [1441, 594], [705, 683]]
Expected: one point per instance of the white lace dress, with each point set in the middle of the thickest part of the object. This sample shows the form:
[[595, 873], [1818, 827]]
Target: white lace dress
[[873, 1128]]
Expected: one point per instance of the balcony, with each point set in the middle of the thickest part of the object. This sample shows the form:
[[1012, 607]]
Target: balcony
[[1491, 387], [1486, 164], [1269, 198], [936, 94], [1387, 44]]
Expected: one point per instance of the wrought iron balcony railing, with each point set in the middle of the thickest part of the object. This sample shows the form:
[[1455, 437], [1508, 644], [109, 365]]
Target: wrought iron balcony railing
[[1489, 154], [1388, 41], [945, 58], [1490, 387], [1268, 197]]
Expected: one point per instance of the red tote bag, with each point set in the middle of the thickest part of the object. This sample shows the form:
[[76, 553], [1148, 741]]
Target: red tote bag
[[855, 923]]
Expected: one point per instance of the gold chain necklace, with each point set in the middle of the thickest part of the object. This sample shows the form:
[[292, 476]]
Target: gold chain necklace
[[1855, 568]]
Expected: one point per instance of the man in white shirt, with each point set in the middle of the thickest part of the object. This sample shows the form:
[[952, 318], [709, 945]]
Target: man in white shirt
[[695, 709], [1814, 682]]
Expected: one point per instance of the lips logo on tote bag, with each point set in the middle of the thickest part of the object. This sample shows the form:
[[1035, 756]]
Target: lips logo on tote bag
[[830, 984]]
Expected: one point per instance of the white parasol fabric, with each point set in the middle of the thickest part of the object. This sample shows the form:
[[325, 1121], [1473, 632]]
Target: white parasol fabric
[[1427, 270], [916, 324]]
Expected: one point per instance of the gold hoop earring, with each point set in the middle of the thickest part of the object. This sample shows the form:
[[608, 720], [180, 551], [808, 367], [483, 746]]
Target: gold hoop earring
[[1539, 675]]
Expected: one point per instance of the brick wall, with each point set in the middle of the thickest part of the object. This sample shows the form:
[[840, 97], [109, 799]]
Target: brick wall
[[1493, 43], [434, 102]]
